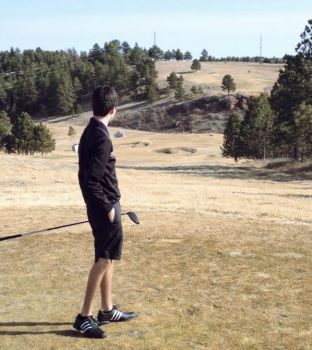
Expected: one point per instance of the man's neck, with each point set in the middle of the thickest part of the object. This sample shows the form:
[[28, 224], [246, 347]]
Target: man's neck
[[103, 120]]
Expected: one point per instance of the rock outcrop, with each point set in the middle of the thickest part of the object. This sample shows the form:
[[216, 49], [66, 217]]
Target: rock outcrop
[[205, 114]]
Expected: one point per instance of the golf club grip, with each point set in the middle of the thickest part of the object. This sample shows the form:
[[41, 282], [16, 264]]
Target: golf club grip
[[9, 237]]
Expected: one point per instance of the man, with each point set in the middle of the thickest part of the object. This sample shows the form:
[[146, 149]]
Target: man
[[99, 187]]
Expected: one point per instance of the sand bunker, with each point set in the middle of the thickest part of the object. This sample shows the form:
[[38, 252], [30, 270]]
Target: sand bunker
[[177, 150], [138, 144]]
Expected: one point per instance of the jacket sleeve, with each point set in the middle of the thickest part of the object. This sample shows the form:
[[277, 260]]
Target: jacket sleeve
[[99, 159]]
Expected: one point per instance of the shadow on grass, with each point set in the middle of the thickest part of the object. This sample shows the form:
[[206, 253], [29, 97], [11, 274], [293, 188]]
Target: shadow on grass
[[33, 324], [63, 333], [226, 172]]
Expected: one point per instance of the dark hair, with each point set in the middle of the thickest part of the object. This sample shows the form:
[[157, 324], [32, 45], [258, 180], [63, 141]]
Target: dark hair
[[103, 100]]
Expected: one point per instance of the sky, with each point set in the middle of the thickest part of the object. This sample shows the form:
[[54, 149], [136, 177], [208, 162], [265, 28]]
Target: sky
[[223, 28]]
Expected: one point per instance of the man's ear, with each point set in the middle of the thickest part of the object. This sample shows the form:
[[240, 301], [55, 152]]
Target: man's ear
[[113, 111]]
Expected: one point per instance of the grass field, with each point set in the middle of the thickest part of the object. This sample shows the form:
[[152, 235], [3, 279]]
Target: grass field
[[221, 260], [250, 78]]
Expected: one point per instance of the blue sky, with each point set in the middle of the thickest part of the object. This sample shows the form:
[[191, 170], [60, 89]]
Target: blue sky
[[224, 28]]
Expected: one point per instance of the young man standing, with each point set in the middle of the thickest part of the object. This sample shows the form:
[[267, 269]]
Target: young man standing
[[99, 187]]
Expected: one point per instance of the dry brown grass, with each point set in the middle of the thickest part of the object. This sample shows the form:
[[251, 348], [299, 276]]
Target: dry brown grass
[[221, 260], [250, 78]]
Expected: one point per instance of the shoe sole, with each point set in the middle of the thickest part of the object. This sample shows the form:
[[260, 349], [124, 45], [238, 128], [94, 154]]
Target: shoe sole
[[81, 332], [101, 323]]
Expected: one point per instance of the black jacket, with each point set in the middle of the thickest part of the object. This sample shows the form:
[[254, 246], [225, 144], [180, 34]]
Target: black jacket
[[97, 174]]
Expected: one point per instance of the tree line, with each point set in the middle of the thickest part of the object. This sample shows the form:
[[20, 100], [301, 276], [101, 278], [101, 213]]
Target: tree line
[[279, 124], [44, 83], [21, 135]]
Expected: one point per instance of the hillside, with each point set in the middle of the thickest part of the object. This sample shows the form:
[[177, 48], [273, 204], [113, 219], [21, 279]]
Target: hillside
[[203, 114], [207, 113], [250, 78]]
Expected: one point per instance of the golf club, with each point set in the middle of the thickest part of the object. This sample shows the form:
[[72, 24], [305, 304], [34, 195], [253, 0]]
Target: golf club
[[132, 216]]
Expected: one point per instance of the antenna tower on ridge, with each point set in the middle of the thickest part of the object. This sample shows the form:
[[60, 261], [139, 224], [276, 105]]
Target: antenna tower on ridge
[[260, 48]]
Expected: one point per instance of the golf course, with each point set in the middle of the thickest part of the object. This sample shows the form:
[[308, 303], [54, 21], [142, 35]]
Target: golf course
[[156, 175], [221, 258]]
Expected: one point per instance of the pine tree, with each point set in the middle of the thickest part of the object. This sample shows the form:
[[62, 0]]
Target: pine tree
[[168, 55], [179, 55], [194, 90], [196, 65], [5, 127], [188, 56], [232, 138], [228, 84], [257, 129], [305, 46], [204, 56], [152, 93], [179, 90], [172, 80], [71, 133], [292, 89], [303, 131], [22, 130], [155, 53], [42, 140]]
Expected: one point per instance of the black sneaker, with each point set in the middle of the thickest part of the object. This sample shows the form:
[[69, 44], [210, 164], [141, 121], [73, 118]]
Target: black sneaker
[[114, 315], [89, 327]]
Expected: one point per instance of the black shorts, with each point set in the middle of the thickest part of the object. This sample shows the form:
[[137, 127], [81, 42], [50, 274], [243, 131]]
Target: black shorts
[[108, 237]]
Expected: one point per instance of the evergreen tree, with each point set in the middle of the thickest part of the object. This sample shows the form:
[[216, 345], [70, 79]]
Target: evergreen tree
[[22, 130], [172, 80], [179, 55], [168, 55], [71, 133], [228, 84], [305, 46], [126, 51], [292, 89], [152, 93], [26, 93], [9, 143], [179, 90], [257, 129], [96, 52], [155, 52], [194, 90], [303, 131], [61, 94], [188, 56], [5, 127], [3, 96], [42, 140], [231, 138], [144, 78], [137, 55], [204, 56], [196, 65]]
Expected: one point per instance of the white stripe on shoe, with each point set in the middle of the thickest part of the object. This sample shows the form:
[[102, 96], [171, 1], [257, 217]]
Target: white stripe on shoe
[[86, 325], [116, 315]]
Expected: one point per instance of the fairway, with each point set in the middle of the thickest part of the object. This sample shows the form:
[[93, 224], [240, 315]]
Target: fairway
[[221, 259], [250, 78]]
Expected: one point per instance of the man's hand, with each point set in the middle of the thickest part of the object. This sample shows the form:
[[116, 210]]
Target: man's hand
[[111, 215]]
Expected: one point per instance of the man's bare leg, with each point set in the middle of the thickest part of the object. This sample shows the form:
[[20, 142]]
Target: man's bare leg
[[106, 287], [94, 281]]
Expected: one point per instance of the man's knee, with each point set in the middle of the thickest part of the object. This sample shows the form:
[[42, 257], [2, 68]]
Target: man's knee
[[103, 263]]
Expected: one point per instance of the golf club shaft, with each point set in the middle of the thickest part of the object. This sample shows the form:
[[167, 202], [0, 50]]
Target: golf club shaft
[[130, 215], [39, 231]]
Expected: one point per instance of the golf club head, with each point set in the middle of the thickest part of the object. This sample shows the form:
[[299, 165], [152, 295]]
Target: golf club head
[[133, 217]]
